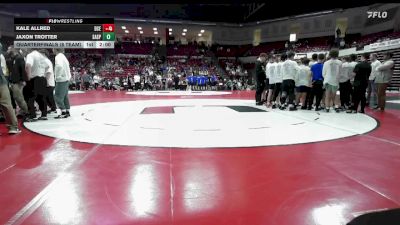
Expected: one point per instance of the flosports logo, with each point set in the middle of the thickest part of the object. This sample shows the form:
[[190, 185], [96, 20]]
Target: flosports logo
[[376, 14]]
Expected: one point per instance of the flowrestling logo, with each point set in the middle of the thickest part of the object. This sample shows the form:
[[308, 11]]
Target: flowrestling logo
[[377, 14]]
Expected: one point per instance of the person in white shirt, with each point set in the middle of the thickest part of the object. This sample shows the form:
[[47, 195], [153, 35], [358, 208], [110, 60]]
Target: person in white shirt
[[371, 84], [278, 79], [344, 84], [136, 80], [290, 69], [49, 74], [383, 79], [303, 82], [331, 72], [351, 65], [62, 74], [96, 81], [271, 75], [36, 67]]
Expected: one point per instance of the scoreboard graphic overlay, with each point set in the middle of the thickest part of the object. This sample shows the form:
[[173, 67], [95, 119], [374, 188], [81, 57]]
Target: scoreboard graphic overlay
[[89, 33]]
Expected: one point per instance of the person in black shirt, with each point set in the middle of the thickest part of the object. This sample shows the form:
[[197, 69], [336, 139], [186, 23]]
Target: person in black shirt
[[362, 72], [261, 78], [17, 79], [9, 61]]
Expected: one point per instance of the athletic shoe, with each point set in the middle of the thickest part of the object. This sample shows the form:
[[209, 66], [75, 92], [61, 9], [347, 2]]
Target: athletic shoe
[[309, 108], [29, 120], [259, 103], [42, 118], [351, 111], [327, 110], [337, 110], [282, 107], [273, 106], [292, 108], [52, 111], [376, 107], [67, 114], [14, 131], [361, 111], [303, 107]]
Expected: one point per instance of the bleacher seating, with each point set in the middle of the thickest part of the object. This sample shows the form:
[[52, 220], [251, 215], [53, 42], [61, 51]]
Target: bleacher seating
[[134, 48], [183, 50], [231, 50], [267, 48]]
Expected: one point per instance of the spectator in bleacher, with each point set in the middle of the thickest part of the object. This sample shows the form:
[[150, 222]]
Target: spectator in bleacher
[[362, 72], [371, 84], [289, 71], [77, 79], [317, 83], [260, 77], [96, 81], [383, 79], [119, 69], [136, 80], [86, 78], [331, 72]]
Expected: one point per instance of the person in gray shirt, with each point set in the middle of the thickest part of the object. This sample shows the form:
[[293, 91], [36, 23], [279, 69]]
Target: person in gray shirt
[[5, 104], [382, 79], [86, 78]]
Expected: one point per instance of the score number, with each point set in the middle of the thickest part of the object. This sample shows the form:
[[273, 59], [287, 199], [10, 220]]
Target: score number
[[108, 36], [108, 28]]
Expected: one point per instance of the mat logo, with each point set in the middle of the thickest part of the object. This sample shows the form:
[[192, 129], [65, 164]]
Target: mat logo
[[376, 14]]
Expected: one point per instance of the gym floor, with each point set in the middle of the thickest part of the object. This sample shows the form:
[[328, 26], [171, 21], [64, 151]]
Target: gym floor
[[199, 158]]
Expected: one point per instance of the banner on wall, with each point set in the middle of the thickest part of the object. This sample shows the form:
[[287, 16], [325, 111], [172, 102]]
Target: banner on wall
[[295, 28], [257, 37], [341, 27]]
